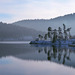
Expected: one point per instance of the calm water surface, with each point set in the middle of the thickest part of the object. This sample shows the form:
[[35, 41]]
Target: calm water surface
[[21, 58]]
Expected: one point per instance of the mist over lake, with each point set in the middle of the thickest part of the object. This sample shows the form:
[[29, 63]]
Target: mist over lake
[[19, 57]]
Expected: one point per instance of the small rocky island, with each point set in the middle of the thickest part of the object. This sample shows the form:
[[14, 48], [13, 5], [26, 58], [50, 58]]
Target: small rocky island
[[56, 37]]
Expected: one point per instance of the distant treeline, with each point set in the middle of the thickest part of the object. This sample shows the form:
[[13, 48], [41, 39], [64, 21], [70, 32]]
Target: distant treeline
[[13, 32]]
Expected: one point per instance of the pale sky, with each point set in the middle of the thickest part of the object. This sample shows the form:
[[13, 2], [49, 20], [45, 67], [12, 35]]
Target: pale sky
[[14, 10]]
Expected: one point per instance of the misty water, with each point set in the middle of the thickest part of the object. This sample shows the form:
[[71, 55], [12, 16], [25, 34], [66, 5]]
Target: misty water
[[21, 58]]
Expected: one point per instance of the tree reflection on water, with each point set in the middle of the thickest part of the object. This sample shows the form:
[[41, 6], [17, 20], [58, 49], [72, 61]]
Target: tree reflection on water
[[62, 55]]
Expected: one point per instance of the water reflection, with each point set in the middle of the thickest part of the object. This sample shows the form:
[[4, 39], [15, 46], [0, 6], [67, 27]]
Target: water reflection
[[59, 54], [56, 53]]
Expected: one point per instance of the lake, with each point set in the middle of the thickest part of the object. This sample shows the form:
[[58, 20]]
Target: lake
[[21, 58]]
